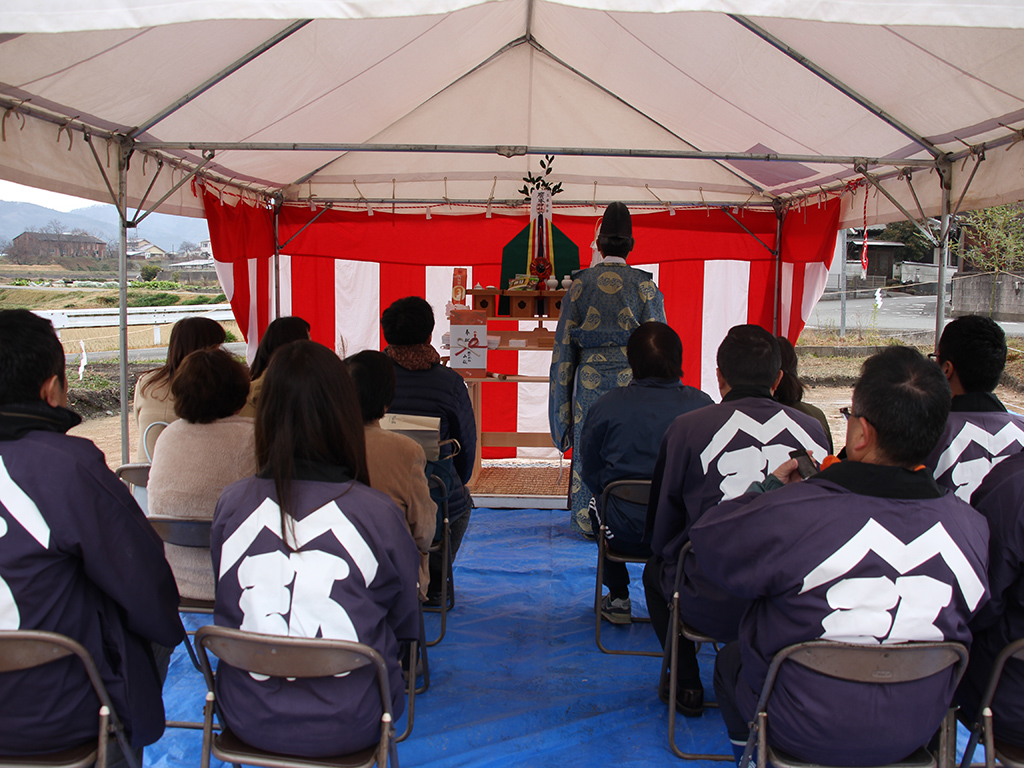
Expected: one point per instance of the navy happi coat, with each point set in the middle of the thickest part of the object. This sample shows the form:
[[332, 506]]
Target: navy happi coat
[[78, 557], [1001, 500], [348, 572], [710, 455], [978, 435], [858, 553]]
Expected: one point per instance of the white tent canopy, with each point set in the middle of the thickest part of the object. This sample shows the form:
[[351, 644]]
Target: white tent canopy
[[427, 102]]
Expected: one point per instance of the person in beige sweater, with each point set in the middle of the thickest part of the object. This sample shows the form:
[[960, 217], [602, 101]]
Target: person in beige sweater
[[396, 463], [206, 449], [154, 403]]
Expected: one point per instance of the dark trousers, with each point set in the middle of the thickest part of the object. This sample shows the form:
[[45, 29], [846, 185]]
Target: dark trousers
[[457, 527], [728, 665], [688, 671], [616, 574]]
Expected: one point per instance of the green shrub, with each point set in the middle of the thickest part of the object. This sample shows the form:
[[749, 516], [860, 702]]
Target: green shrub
[[149, 272], [152, 299], [155, 285]]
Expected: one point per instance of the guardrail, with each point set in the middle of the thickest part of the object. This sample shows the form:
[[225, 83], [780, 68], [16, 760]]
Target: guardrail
[[155, 316]]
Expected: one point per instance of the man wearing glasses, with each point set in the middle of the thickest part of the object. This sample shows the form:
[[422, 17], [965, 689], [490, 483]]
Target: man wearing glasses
[[870, 550]]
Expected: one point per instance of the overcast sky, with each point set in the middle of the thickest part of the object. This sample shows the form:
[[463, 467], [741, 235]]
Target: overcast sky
[[16, 193]]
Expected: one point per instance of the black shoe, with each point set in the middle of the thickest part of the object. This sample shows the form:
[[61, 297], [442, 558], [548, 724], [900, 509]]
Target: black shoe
[[689, 701]]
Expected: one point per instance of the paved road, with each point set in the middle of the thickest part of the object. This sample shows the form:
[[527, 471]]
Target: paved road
[[909, 313]]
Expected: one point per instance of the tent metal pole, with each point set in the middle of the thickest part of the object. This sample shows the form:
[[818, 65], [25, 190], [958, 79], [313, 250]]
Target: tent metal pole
[[910, 217], [520, 150], [123, 153], [224, 73], [832, 80], [842, 284], [277, 258], [780, 217], [746, 229], [358, 205], [942, 253]]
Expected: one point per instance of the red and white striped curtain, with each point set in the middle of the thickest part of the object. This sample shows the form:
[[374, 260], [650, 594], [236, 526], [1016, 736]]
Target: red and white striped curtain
[[342, 271]]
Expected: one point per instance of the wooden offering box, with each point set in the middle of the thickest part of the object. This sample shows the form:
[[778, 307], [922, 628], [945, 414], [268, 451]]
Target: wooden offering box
[[522, 304]]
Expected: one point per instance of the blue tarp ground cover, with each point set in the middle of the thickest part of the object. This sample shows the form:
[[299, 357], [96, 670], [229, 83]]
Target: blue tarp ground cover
[[518, 679]]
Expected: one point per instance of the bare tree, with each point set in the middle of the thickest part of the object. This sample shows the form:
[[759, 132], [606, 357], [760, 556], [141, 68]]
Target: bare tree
[[993, 240], [55, 227]]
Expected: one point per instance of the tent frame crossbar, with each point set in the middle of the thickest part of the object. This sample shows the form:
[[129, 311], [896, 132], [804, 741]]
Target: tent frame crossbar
[[380, 203], [192, 173], [519, 150], [930, 236], [836, 83], [219, 77]]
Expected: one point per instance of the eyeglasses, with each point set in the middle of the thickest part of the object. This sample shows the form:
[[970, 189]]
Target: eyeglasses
[[933, 356], [848, 412]]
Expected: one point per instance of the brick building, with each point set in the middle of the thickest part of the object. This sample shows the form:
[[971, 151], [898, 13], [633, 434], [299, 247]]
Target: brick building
[[60, 245]]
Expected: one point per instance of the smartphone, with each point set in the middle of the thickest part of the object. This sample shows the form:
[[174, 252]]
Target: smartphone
[[804, 464]]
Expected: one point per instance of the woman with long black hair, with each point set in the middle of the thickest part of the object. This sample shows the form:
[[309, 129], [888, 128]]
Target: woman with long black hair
[[306, 549]]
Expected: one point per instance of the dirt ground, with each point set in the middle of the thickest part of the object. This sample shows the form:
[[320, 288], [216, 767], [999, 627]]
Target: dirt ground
[[829, 384]]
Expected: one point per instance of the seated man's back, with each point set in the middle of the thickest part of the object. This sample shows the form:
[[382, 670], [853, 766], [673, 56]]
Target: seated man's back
[[870, 550], [624, 427], [77, 557], [715, 453], [979, 432], [1001, 500]]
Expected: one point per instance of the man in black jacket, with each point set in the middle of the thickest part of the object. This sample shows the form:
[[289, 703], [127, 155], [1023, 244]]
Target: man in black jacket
[[77, 556], [979, 432]]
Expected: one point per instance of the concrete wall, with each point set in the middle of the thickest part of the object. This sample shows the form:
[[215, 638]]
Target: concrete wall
[[972, 295]]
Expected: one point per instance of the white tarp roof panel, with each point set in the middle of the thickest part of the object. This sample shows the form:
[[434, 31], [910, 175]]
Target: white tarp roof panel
[[582, 77]]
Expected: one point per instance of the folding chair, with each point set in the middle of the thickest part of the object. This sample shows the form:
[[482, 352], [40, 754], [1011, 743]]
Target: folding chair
[[136, 476], [875, 664], [186, 532], [291, 657], [26, 649], [444, 546], [637, 492], [678, 628], [1007, 754], [162, 425]]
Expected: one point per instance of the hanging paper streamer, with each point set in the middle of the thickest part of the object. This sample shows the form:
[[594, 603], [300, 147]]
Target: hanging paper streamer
[[539, 251]]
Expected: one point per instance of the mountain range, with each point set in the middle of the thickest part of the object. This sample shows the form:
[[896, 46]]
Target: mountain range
[[167, 232]]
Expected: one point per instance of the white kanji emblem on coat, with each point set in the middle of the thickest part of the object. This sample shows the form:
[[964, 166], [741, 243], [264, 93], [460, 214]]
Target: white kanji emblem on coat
[[968, 473], [290, 593], [751, 464], [862, 606], [27, 515]]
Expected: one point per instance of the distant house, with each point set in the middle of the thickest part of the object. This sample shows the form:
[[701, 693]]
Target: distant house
[[206, 249], [60, 245], [143, 249]]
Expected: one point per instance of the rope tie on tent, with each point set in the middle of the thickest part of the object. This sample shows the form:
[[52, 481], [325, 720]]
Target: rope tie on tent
[[491, 197], [1018, 137], [700, 191], [671, 210], [594, 203], [7, 113], [369, 210], [393, 188], [445, 196], [67, 127]]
